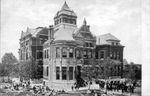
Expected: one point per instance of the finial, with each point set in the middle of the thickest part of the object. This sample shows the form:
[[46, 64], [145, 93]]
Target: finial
[[65, 6], [65, 2], [84, 22]]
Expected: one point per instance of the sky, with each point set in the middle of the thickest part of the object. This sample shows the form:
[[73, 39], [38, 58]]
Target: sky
[[121, 18]]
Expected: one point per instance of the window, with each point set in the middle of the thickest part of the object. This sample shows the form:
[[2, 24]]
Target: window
[[111, 55], [71, 21], [112, 43], [40, 55], [47, 53], [117, 44], [70, 73], [97, 53], [43, 54], [64, 52], [91, 45], [117, 55], [86, 44], [71, 52], [78, 54], [57, 52], [64, 73], [57, 73], [89, 54], [85, 54], [114, 55], [102, 55], [27, 54], [27, 42], [47, 71], [60, 20]]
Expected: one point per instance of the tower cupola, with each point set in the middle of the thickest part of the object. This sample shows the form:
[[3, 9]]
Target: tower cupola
[[65, 17]]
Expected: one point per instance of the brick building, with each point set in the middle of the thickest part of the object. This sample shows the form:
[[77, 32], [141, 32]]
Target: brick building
[[65, 49], [31, 45], [69, 48], [108, 45]]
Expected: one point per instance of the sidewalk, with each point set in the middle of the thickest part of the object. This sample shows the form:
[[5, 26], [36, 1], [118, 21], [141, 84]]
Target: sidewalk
[[119, 93]]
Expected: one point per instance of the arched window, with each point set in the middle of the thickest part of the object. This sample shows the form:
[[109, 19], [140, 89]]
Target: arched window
[[57, 52], [64, 52]]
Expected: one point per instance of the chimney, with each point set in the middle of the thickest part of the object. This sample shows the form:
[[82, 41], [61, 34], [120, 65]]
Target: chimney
[[51, 32]]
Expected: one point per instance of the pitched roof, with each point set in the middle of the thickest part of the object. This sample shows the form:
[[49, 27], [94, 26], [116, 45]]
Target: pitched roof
[[102, 39], [32, 31], [65, 10], [37, 31], [64, 34], [28, 31], [65, 7]]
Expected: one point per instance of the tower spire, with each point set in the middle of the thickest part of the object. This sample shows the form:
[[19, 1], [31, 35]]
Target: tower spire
[[65, 6]]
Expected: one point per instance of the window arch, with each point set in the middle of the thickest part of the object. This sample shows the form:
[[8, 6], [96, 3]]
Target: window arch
[[64, 52]]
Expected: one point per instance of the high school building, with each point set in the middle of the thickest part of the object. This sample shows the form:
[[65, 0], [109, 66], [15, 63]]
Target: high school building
[[66, 49]]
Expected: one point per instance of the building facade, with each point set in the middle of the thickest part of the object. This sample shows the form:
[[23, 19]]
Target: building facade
[[64, 49], [108, 45], [31, 46], [70, 48]]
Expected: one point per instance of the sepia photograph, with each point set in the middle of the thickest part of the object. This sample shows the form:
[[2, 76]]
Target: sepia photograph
[[74, 48]]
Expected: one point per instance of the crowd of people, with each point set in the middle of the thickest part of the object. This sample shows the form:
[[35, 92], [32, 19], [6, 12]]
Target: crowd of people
[[37, 90], [117, 85]]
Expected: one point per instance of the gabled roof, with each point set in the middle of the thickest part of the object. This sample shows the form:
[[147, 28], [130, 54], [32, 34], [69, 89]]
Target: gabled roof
[[64, 34], [83, 30], [32, 31], [102, 39], [28, 31]]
